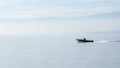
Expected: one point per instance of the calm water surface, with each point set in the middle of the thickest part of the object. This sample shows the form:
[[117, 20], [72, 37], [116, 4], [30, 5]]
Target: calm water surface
[[58, 52]]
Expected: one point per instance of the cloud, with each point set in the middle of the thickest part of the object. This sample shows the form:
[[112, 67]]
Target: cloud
[[53, 12], [82, 0], [10, 2], [27, 9], [48, 2]]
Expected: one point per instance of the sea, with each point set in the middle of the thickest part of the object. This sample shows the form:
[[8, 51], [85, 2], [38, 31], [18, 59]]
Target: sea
[[60, 51]]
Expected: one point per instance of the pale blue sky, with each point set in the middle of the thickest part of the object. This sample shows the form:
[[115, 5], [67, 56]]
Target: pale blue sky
[[56, 17]]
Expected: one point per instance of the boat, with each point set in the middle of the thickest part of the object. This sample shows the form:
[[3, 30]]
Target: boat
[[84, 40]]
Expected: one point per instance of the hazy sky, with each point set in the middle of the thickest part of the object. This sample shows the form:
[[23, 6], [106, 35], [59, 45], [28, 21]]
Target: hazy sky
[[55, 17]]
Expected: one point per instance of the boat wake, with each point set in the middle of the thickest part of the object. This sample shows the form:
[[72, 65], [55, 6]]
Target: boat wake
[[106, 41], [103, 41]]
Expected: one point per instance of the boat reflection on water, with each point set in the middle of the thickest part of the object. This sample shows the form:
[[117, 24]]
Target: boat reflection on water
[[84, 40]]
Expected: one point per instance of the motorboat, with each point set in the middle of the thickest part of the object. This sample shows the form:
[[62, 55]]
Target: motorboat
[[84, 40]]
